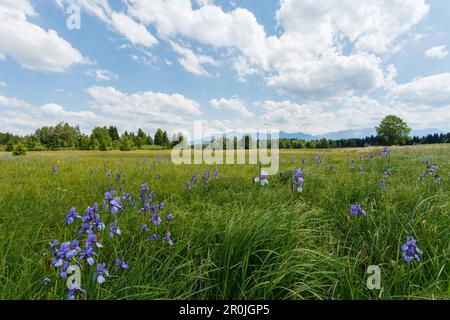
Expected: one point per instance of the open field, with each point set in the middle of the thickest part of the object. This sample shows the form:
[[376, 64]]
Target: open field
[[232, 238]]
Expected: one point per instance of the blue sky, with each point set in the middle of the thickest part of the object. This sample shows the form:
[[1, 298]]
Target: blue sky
[[293, 65]]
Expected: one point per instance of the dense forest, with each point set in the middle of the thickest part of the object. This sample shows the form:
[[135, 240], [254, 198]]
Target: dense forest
[[66, 137]]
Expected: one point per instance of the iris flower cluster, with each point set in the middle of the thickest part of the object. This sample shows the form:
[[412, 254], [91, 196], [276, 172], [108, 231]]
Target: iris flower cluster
[[298, 180], [262, 179], [85, 250], [357, 209], [410, 251]]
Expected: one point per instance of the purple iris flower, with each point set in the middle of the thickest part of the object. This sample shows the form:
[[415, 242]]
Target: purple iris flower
[[385, 151], [298, 180], [113, 203], [144, 227], [89, 255], [54, 170], [71, 216], [383, 184], [114, 228], [169, 216], [194, 178], [156, 219], [371, 156], [101, 270], [262, 179], [360, 168], [422, 175], [206, 177], [216, 173], [355, 209], [388, 173], [187, 186], [410, 250], [74, 290], [168, 238], [144, 189], [47, 281], [432, 169], [120, 264]]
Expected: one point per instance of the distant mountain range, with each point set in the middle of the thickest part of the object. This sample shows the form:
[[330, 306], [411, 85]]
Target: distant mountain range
[[345, 134]]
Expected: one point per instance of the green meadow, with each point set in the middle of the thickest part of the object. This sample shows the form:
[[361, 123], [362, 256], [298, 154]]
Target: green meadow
[[232, 238]]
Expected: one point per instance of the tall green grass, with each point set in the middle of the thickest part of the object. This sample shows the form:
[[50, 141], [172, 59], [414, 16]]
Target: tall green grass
[[234, 239]]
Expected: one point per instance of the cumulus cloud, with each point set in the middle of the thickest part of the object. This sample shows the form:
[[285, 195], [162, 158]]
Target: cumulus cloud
[[30, 45], [307, 59], [439, 52], [102, 75], [432, 91], [192, 62], [12, 102], [233, 104], [133, 31], [153, 107]]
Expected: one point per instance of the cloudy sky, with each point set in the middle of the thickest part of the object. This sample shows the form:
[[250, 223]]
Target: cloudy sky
[[310, 66]]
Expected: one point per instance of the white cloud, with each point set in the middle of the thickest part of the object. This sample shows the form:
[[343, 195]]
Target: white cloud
[[30, 45], [439, 52], [56, 110], [432, 91], [149, 106], [308, 57], [231, 104], [12, 102], [192, 62], [133, 31], [102, 75]]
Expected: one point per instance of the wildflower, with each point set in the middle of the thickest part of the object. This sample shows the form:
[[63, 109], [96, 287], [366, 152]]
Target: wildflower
[[92, 239], [427, 163], [298, 180], [352, 164], [360, 168], [383, 184], [54, 170], [88, 254], [118, 176], [156, 219], [384, 152], [355, 209], [101, 270], [144, 189], [432, 169], [262, 179], [216, 173], [71, 216], [120, 264], [371, 156], [74, 290], [144, 227], [168, 238], [113, 203], [169, 216], [158, 175], [388, 173], [194, 178], [206, 177], [422, 175], [187, 186], [409, 249], [114, 228], [46, 281]]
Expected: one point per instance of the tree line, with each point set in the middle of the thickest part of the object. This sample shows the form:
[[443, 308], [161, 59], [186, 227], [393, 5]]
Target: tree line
[[392, 130], [66, 137]]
